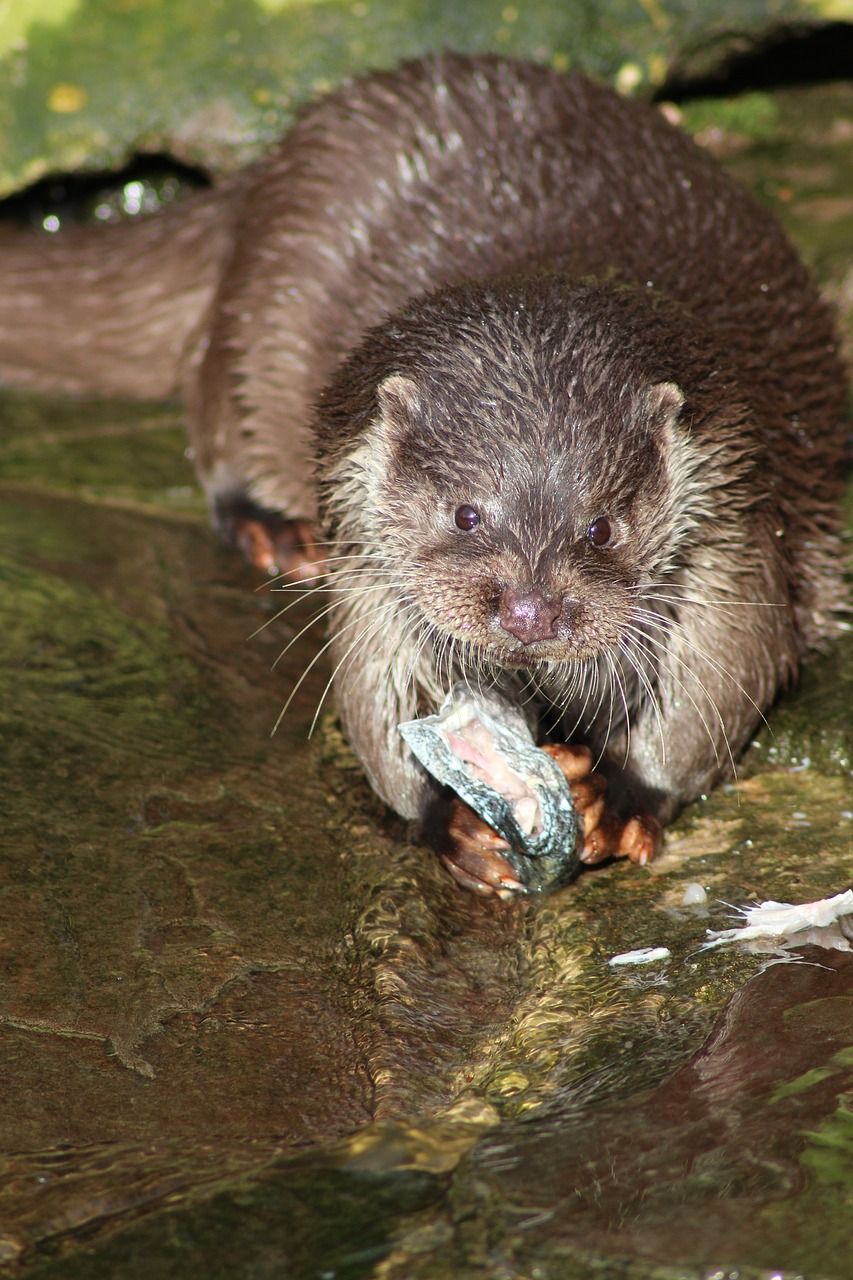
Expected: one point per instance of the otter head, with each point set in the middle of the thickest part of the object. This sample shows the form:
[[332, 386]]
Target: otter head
[[523, 474]]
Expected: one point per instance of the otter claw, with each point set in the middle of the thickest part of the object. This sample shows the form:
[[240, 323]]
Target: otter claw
[[637, 839], [475, 859], [640, 839]]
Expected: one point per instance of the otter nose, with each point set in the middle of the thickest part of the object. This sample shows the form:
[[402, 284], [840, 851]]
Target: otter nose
[[529, 614]]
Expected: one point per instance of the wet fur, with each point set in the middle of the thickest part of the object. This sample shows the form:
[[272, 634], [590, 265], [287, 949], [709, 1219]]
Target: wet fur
[[502, 286]]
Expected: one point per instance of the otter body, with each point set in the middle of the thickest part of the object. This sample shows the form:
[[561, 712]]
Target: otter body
[[574, 404]]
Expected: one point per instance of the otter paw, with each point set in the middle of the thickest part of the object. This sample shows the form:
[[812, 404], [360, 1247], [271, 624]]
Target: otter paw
[[587, 788], [605, 835], [638, 838], [277, 546], [475, 855]]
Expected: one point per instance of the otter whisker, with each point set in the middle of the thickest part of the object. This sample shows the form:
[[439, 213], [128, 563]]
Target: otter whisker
[[650, 591], [279, 613], [422, 635], [607, 697], [332, 582], [438, 643], [669, 657], [558, 700], [425, 634], [322, 571], [625, 645], [585, 685], [581, 687], [383, 609], [618, 675], [595, 674], [363, 590], [353, 579], [312, 621], [530, 689], [449, 657], [444, 660], [654, 621], [362, 638], [366, 633], [317, 617]]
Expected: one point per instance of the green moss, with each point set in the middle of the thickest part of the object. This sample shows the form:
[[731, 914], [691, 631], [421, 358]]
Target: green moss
[[110, 681], [829, 1155], [124, 453], [810, 728], [755, 115], [17, 19], [302, 1220], [84, 86]]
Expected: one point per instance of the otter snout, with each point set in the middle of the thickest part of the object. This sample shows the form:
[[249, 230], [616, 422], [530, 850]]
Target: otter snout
[[529, 613]]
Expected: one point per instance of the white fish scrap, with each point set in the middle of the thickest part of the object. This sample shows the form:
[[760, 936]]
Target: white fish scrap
[[643, 955], [827, 922]]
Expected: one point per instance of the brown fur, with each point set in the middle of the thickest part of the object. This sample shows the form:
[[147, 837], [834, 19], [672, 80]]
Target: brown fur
[[509, 288]]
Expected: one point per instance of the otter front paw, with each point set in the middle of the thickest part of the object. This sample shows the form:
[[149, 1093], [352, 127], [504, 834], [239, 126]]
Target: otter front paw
[[477, 856], [606, 835], [638, 838]]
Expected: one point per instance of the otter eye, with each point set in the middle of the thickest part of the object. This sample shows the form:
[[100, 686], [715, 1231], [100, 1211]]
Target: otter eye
[[466, 517], [600, 532]]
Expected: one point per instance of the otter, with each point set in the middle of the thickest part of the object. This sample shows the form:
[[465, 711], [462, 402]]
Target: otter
[[561, 397]]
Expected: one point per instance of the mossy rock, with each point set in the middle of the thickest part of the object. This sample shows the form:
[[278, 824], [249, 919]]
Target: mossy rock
[[84, 84]]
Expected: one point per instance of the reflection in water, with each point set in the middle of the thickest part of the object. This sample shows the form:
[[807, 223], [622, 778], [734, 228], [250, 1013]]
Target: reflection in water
[[743, 1157]]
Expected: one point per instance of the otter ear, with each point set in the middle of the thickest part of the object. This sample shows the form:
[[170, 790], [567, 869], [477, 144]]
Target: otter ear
[[683, 463], [663, 403], [399, 400]]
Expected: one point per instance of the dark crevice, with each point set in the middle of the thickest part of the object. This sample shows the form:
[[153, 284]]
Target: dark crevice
[[143, 186], [733, 63]]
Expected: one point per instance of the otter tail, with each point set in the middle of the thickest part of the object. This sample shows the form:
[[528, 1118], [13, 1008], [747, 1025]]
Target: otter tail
[[113, 310]]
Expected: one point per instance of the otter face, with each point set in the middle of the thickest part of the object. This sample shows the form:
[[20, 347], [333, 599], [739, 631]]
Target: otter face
[[525, 525]]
